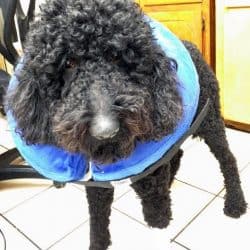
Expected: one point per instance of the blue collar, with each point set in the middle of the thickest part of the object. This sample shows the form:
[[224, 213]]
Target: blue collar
[[59, 165]]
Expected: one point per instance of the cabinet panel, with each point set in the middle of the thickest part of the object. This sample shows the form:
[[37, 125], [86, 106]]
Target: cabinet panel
[[183, 20], [233, 55]]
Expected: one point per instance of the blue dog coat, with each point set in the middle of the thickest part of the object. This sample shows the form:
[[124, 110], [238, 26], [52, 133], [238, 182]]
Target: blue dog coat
[[59, 165]]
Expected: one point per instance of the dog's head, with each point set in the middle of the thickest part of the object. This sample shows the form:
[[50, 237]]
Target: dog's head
[[94, 81]]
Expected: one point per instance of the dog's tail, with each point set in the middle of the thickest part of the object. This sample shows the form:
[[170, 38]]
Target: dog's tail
[[4, 81]]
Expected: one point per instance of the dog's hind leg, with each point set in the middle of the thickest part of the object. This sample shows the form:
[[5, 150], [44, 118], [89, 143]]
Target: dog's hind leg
[[213, 133], [175, 165], [154, 193], [215, 138], [99, 200], [212, 130]]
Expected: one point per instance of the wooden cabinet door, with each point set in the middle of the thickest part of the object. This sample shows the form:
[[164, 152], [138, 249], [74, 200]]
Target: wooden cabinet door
[[233, 65], [183, 20], [188, 19]]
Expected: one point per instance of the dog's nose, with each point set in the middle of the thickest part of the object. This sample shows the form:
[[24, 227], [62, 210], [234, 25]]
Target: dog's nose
[[104, 127]]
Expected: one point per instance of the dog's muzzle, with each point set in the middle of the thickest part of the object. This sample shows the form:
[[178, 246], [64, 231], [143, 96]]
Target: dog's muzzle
[[104, 127]]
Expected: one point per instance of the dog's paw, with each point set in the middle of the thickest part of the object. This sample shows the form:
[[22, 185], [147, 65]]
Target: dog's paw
[[157, 218], [99, 247], [235, 205], [160, 222]]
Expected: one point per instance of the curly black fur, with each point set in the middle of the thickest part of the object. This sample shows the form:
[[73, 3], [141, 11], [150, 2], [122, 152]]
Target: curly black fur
[[84, 56], [99, 216], [90, 58], [154, 193], [212, 130]]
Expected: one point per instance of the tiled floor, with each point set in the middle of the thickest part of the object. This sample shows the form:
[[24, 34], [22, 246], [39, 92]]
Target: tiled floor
[[35, 215]]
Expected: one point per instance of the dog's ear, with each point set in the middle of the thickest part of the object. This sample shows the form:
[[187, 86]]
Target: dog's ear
[[167, 101], [28, 103], [39, 79]]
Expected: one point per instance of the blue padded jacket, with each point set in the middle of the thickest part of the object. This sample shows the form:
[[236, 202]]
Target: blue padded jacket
[[60, 165]]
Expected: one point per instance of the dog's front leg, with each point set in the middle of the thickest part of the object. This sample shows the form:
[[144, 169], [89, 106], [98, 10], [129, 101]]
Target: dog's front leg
[[100, 200], [155, 197]]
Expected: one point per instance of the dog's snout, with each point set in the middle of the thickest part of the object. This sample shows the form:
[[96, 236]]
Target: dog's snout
[[104, 127]]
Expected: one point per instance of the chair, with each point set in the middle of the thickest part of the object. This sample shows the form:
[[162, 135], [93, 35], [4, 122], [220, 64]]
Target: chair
[[8, 35]]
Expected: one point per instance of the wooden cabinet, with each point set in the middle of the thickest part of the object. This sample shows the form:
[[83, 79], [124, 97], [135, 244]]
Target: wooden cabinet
[[2, 63], [233, 63], [188, 19], [185, 21]]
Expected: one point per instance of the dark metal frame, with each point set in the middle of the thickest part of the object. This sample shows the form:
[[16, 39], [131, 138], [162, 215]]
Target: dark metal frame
[[8, 8]]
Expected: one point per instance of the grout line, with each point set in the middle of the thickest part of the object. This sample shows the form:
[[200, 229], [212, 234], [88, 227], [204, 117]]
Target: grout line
[[198, 214], [66, 235], [194, 186], [2, 150], [4, 147], [132, 218], [245, 167], [178, 243], [20, 231], [120, 196], [26, 200]]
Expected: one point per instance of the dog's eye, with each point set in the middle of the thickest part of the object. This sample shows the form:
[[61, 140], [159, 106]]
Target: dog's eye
[[71, 63], [115, 60]]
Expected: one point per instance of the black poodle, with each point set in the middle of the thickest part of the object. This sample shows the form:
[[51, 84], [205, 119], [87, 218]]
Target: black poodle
[[94, 81]]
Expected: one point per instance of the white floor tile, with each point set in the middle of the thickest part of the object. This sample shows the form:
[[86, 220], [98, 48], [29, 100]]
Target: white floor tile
[[6, 140], [51, 215], [213, 230], [189, 142], [186, 203], [126, 234], [120, 190], [2, 149], [200, 168], [77, 240], [3, 123], [5, 135], [245, 180], [14, 192], [239, 143], [14, 239]]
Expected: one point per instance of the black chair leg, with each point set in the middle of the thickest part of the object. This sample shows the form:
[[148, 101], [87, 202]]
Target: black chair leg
[[59, 184]]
